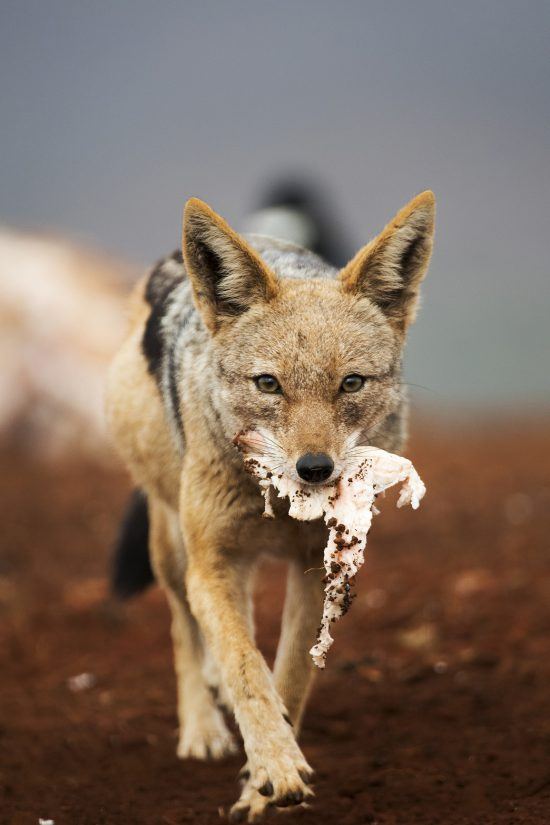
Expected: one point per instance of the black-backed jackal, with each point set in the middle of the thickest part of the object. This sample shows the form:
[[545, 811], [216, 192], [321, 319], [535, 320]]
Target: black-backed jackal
[[237, 332]]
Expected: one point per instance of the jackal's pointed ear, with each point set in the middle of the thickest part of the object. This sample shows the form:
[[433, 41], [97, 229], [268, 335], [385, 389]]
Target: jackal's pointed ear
[[390, 269], [227, 275]]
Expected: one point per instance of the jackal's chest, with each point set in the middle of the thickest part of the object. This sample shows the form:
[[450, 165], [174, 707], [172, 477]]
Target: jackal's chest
[[282, 536]]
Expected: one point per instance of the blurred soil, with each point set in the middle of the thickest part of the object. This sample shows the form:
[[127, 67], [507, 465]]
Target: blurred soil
[[435, 705]]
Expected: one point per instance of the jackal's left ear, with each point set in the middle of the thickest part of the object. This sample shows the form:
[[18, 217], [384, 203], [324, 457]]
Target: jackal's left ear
[[390, 269], [227, 275]]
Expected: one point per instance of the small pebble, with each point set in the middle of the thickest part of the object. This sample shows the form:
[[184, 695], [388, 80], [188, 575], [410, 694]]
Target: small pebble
[[84, 681]]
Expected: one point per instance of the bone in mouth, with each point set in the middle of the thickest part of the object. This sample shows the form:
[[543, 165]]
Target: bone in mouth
[[347, 506]]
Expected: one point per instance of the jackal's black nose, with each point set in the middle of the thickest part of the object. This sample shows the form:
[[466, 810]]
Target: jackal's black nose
[[314, 466]]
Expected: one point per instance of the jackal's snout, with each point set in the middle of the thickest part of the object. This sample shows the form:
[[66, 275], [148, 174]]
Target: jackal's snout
[[314, 467]]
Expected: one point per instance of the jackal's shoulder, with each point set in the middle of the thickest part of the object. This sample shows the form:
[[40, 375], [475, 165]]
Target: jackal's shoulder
[[168, 301], [166, 275]]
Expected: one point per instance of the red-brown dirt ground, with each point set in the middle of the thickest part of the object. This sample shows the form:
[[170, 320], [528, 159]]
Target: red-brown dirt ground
[[435, 704]]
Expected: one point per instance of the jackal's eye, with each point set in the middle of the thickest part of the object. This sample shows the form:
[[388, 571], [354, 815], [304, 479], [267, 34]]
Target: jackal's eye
[[352, 383], [267, 383]]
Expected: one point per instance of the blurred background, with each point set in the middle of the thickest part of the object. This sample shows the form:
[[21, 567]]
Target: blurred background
[[112, 115]]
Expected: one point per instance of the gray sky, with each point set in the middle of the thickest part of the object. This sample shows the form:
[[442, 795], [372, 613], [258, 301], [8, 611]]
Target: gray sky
[[113, 113]]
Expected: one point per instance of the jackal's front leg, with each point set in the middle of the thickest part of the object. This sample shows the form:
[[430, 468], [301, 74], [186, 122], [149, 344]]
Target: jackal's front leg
[[216, 587]]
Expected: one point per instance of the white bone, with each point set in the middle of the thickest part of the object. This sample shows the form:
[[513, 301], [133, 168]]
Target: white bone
[[347, 502]]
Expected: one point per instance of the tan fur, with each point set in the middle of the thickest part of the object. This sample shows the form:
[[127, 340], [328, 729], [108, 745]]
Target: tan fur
[[239, 259], [146, 446], [376, 264], [206, 527]]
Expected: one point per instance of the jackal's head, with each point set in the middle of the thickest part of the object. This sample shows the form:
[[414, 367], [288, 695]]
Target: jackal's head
[[312, 363]]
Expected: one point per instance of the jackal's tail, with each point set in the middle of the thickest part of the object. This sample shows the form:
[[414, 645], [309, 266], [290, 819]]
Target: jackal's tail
[[131, 569], [298, 211]]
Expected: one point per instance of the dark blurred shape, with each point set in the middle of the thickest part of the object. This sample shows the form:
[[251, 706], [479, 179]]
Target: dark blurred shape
[[132, 572], [300, 211]]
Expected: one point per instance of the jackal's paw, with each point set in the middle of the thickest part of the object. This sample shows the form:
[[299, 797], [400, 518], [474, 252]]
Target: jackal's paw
[[206, 737], [250, 807], [283, 779], [253, 804]]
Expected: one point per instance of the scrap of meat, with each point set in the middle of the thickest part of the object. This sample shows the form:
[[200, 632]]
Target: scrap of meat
[[347, 506]]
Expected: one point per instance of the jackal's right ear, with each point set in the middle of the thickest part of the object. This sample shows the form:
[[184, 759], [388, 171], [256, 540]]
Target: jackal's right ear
[[390, 269], [227, 275]]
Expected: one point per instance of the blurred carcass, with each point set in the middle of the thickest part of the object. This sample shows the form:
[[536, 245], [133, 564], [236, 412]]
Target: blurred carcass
[[62, 315]]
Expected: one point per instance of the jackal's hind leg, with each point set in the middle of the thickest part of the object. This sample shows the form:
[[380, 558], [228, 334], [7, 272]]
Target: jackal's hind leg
[[203, 732], [213, 679], [294, 668]]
